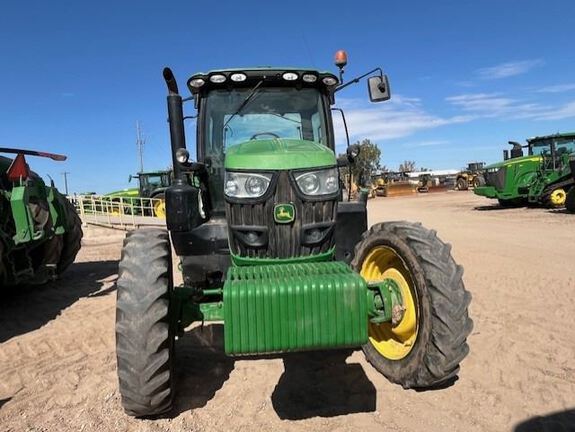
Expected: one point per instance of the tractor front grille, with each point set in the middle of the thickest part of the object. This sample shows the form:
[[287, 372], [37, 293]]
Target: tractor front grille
[[496, 178], [253, 232]]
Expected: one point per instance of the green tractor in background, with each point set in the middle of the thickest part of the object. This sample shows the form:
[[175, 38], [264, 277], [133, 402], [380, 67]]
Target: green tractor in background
[[267, 244], [40, 231], [554, 178], [151, 184], [540, 177]]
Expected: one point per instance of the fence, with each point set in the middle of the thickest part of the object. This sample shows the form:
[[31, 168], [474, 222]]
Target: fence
[[120, 212]]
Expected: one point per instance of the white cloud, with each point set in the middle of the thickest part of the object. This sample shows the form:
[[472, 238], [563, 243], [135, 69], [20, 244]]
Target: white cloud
[[505, 70], [497, 105], [400, 117], [559, 113], [558, 88]]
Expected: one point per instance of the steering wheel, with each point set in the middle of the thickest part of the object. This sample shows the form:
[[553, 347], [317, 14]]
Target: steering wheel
[[255, 136]]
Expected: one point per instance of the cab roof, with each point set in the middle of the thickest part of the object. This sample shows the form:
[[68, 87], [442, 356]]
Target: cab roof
[[557, 135]]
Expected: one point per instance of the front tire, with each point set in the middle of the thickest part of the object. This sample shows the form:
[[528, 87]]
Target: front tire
[[144, 336], [426, 347], [462, 184]]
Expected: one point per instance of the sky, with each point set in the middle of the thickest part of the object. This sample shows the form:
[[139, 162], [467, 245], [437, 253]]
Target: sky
[[466, 75]]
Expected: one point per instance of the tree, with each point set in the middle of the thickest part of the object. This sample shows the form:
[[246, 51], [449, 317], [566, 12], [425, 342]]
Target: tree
[[407, 166], [366, 163]]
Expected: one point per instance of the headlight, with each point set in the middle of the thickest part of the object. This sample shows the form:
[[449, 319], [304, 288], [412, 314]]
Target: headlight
[[315, 183], [246, 185]]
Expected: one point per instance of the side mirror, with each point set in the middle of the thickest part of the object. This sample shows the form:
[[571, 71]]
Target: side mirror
[[505, 154], [378, 87], [352, 152], [130, 178]]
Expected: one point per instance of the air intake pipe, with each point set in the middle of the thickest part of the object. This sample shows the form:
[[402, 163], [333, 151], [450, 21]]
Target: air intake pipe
[[175, 119]]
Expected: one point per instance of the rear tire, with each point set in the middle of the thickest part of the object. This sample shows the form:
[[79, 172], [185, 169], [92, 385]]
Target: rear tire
[[72, 237], [570, 200], [144, 336], [431, 355]]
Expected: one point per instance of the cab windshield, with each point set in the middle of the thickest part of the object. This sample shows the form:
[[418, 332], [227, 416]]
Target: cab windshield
[[270, 112], [561, 145], [540, 148], [155, 180]]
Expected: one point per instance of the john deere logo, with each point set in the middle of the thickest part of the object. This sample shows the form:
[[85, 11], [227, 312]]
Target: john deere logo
[[284, 213]]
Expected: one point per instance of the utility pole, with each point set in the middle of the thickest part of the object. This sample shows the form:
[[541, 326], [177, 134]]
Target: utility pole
[[140, 141], [65, 174]]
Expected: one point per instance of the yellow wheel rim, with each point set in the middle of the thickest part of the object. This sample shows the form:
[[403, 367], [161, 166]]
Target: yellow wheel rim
[[558, 197], [116, 211], [160, 209], [391, 342]]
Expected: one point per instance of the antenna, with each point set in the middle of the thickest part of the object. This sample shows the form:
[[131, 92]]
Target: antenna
[[140, 141]]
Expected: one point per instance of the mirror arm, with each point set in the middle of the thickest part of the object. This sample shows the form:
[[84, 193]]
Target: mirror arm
[[344, 123], [357, 79]]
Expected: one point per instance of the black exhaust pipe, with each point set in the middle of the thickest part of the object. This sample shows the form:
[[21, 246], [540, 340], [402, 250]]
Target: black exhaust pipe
[[175, 119]]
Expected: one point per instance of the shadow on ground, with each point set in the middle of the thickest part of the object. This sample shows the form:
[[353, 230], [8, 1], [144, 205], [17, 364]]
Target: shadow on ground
[[202, 367], [314, 384], [562, 421], [322, 384], [27, 308], [493, 207]]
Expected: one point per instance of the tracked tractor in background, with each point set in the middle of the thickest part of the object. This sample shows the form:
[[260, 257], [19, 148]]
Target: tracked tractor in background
[[554, 179], [40, 231], [268, 246], [518, 179], [470, 176]]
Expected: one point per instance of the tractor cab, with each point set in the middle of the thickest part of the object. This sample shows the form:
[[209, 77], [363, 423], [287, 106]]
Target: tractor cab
[[553, 149], [265, 149], [152, 183]]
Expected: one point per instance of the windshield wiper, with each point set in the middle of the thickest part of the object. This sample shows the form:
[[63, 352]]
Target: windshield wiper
[[245, 102]]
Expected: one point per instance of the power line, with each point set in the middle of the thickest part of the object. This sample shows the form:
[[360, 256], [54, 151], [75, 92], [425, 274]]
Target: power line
[[140, 142], [65, 174]]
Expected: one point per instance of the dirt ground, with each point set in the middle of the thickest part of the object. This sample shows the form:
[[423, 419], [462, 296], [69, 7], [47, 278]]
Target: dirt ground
[[57, 360]]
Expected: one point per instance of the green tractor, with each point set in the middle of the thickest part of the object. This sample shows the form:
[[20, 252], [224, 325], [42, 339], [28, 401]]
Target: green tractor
[[40, 231], [151, 184], [554, 179], [268, 246], [537, 177]]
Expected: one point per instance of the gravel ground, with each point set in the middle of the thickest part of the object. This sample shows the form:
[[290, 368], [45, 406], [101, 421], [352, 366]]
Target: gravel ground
[[57, 360]]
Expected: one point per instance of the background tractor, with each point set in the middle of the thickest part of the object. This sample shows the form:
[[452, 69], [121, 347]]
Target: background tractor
[[40, 232], [533, 178], [470, 176], [554, 178], [151, 184], [267, 244]]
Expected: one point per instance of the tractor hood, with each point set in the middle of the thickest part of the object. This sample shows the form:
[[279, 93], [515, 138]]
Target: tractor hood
[[279, 154], [509, 162]]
